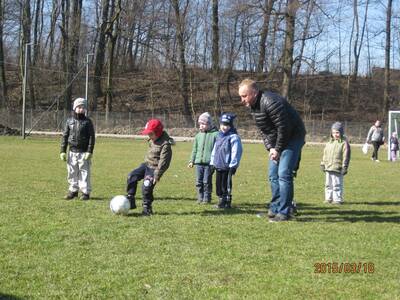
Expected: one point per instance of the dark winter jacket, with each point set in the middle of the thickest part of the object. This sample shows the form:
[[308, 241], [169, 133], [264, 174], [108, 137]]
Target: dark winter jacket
[[277, 120], [159, 155], [78, 134]]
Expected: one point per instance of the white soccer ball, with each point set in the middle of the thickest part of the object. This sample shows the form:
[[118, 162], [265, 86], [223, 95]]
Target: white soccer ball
[[120, 205]]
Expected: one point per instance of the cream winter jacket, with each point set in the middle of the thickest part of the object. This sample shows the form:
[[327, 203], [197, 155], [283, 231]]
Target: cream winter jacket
[[336, 156]]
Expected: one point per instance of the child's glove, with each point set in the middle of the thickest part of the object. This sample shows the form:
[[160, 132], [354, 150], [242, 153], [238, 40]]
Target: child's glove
[[87, 156], [322, 168], [63, 156], [190, 165], [212, 169], [344, 171], [232, 171]]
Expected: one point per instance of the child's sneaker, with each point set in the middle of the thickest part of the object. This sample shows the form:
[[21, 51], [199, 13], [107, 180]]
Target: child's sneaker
[[71, 195], [85, 197]]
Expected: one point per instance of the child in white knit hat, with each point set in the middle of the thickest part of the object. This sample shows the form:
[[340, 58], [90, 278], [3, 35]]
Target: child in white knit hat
[[201, 155], [79, 137]]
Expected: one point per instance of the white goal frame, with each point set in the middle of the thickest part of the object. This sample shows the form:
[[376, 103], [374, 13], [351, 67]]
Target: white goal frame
[[392, 126]]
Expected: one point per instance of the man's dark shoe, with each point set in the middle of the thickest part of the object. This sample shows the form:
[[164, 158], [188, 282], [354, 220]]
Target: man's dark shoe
[[132, 201], [85, 197], [71, 195], [279, 218]]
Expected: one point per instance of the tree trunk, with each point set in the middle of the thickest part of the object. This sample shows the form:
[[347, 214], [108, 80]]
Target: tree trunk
[[267, 9], [358, 44], [183, 79], [100, 54], [112, 32], [290, 18], [75, 28], [26, 38], [54, 15], [310, 10], [386, 100], [3, 84], [215, 58]]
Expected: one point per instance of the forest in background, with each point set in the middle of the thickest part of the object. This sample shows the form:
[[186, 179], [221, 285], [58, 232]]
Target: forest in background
[[329, 58]]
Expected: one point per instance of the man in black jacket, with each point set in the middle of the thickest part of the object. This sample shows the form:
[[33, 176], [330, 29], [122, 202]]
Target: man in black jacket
[[283, 133]]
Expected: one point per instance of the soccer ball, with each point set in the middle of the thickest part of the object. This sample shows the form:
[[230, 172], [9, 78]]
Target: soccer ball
[[120, 205]]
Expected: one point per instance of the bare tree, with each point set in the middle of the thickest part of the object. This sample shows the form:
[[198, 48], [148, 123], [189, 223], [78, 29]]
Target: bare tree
[[3, 84], [305, 35], [183, 78], [358, 41], [215, 57], [267, 9], [55, 11], [386, 100], [37, 31], [25, 39], [73, 39], [100, 53], [290, 18], [112, 33]]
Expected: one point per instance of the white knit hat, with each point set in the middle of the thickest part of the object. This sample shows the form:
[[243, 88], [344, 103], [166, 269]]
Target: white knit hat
[[79, 101], [206, 119]]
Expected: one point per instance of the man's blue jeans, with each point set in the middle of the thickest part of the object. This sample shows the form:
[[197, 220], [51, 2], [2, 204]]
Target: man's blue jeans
[[281, 177]]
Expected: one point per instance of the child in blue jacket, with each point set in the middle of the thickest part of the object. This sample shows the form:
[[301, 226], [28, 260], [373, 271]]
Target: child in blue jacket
[[225, 158]]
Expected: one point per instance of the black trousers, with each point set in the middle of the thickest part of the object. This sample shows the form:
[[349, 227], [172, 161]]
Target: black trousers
[[146, 173], [376, 146], [223, 183]]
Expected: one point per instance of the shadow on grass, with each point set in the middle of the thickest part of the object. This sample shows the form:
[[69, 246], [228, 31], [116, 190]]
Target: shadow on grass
[[394, 203], [100, 198], [209, 210], [310, 213], [175, 198], [9, 297]]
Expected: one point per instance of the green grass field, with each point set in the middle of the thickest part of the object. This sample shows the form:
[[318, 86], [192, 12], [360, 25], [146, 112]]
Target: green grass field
[[57, 249]]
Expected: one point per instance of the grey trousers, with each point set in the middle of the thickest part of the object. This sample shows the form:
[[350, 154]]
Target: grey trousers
[[333, 186], [78, 172]]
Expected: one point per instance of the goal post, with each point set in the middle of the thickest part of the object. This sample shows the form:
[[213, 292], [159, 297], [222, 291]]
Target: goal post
[[393, 126]]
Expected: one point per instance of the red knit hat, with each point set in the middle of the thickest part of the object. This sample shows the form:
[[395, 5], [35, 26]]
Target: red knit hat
[[154, 125]]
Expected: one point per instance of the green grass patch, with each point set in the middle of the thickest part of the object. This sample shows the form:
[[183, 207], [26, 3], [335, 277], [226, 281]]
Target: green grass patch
[[57, 249]]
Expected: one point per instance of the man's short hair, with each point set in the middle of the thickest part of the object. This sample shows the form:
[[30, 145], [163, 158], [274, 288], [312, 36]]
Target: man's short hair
[[249, 83]]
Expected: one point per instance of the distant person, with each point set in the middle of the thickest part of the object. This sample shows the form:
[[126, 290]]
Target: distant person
[[335, 164], [283, 133], [394, 146], [201, 155], [157, 161], [225, 158], [376, 138], [79, 136]]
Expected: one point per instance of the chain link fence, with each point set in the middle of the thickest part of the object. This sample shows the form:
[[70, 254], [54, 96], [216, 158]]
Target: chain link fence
[[130, 123]]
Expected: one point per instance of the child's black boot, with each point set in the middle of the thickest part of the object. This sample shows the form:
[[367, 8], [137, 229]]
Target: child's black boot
[[147, 209], [221, 203], [132, 201], [228, 203]]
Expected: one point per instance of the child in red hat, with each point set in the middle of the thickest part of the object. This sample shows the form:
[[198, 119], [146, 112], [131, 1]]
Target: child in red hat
[[156, 162]]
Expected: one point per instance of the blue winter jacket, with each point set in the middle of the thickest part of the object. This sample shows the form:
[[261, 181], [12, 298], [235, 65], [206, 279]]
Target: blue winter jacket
[[227, 150]]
